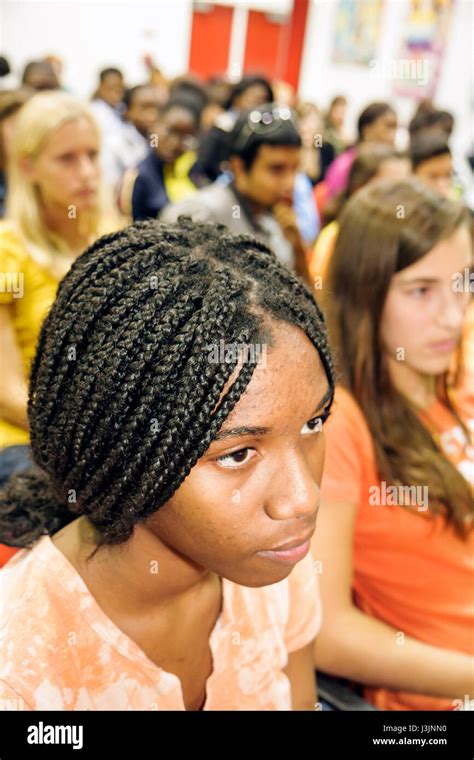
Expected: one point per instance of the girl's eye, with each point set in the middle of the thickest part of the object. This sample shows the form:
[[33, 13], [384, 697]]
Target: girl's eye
[[315, 425], [235, 460], [67, 158], [419, 292]]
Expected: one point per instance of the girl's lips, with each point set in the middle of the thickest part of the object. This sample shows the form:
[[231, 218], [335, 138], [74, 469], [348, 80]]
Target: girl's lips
[[444, 346], [288, 556]]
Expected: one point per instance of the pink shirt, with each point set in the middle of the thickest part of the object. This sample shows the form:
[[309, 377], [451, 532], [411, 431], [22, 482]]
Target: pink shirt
[[59, 651]]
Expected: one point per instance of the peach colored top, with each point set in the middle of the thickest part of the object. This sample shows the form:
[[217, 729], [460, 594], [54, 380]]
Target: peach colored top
[[59, 651]]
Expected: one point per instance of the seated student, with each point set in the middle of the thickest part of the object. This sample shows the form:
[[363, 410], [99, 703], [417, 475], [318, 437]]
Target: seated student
[[395, 532], [372, 162], [39, 75], [180, 456], [108, 107], [166, 175], [264, 153], [56, 207], [376, 124], [432, 162], [124, 148], [251, 92]]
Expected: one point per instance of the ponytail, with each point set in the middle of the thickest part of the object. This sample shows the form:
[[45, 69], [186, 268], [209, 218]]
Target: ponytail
[[29, 509]]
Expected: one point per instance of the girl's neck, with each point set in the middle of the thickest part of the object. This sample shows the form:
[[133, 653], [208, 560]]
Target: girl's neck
[[417, 387]]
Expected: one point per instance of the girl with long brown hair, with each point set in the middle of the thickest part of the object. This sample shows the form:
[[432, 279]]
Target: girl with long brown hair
[[394, 538]]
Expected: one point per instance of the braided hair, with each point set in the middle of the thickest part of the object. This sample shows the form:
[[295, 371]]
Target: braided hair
[[123, 398]]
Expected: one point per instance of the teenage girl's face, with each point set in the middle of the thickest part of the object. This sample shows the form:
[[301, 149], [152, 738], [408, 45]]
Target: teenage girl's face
[[382, 130], [423, 312], [66, 171], [257, 486], [437, 173]]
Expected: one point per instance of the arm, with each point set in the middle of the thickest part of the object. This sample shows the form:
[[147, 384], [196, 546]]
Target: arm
[[13, 386], [300, 671], [356, 646]]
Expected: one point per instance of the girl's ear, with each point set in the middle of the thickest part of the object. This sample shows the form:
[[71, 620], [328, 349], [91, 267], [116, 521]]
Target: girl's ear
[[27, 168]]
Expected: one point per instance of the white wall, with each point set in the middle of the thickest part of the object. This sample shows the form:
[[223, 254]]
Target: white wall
[[91, 35], [321, 79]]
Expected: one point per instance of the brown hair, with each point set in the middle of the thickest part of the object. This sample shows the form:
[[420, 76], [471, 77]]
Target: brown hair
[[373, 244], [368, 159]]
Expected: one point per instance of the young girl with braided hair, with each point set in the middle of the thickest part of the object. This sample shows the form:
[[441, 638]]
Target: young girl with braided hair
[[165, 530]]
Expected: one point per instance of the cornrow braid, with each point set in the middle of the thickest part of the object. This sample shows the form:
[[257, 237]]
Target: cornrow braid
[[123, 397]]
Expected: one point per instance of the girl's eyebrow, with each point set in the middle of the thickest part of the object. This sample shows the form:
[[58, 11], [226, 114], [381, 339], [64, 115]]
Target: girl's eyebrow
[[413, 280], [242, 430]]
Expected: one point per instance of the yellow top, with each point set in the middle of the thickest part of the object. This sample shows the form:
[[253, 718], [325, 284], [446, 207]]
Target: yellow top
[[29, 290], [177, 182]]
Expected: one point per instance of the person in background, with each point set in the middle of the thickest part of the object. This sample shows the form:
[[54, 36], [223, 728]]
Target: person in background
[[264, 155], [6, 76], [376, 124], [108, 107], [432, 162], [40, 75], [166, 175], [334, 119], [219, 90], [373, 161], [317, 153], [56, 207], [10, 103], [126, 147], [395, 535], [428, 119], [250, 92]]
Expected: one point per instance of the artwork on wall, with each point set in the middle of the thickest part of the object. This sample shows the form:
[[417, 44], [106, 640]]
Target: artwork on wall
[[422, 48], [357, 30]]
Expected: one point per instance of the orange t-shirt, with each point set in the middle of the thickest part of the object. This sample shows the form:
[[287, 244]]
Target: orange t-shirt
[[59, 651], [410, 571]]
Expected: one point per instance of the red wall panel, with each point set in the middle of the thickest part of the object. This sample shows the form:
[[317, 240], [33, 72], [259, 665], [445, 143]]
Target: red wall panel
[[210, 40], [265, 40]]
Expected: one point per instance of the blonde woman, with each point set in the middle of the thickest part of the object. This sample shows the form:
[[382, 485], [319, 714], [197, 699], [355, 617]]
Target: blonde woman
[[56, 206]]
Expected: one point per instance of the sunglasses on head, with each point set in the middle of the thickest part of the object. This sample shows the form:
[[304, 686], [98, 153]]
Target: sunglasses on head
[[262, 123]]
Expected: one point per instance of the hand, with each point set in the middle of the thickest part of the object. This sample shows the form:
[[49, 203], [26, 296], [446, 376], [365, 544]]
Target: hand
[[286, 218]]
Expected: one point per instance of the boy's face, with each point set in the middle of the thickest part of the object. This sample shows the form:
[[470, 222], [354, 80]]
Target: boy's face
[[271, 178], [112, 89], [437, 172], [257, 486], [143, 109]]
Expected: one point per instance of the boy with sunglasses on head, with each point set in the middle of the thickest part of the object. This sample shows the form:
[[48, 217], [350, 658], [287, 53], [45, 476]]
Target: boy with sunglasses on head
[[264, 154]]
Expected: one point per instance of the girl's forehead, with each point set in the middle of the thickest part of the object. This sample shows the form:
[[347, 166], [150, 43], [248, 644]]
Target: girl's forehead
[[289, 381]]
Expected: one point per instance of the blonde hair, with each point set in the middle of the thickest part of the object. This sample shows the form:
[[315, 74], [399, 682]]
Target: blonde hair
[[37, 120]]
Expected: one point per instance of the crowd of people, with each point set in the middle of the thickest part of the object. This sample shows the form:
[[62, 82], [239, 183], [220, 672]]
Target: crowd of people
[[142, 228]]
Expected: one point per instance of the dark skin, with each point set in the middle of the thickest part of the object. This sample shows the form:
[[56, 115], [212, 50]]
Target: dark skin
[[111, 89], [268, 185], [175, 128], [204, 532], [143, 109]]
